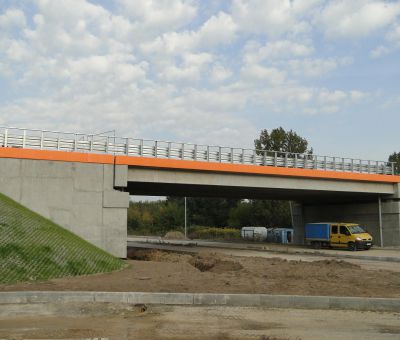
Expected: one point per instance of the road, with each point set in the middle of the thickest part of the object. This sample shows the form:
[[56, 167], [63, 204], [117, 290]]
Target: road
[[99, 320]]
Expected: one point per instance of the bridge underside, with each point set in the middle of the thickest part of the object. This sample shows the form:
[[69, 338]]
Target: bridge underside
[[314, 199], [304, 196]]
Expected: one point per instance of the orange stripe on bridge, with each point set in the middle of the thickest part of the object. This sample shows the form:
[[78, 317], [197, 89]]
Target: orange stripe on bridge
[[174, 164]]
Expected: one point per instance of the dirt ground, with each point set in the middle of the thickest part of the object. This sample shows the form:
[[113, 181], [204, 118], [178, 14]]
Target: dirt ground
[[109, 321], [208, 272]]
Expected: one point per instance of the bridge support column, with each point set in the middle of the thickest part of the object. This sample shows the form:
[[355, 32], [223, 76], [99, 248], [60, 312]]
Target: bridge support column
[[78, 196], [298, 222]]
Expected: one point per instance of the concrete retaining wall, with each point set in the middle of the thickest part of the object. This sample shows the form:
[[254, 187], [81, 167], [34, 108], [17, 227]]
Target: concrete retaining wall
[[78, 196], [263, 300]]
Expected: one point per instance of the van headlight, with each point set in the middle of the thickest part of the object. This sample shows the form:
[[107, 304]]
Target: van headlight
[[358, 239]]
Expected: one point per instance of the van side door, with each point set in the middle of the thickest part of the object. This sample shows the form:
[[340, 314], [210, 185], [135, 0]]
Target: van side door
[[344, 235], [335, 236]]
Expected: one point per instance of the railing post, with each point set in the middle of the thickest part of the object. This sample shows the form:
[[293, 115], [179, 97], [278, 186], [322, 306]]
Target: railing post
[[352, 165], [41, 141], [5, 138], [169, 150], [392, 168], [254, 156], [315, 162], [286, 159], [58, 141], [334, 163], [208, 153], [264, 157], [127, 147], [220, 154], [369, 166], [343, 167], [242, 156], [155, 149], [141, 147], [183, 150], [195, 152], [231, 155], [24, 140], [106, 148], [275, 159], [305, 161], [325, 163]]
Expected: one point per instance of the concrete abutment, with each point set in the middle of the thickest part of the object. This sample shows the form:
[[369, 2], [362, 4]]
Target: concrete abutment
[[78, 196]]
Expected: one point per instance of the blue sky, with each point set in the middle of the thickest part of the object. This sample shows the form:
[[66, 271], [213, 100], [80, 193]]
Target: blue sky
[[212, 72]]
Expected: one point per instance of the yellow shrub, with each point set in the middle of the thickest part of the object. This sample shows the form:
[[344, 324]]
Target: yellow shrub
[[215, 233]]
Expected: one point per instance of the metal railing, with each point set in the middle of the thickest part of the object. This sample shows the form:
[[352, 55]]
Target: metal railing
[[94, 143]]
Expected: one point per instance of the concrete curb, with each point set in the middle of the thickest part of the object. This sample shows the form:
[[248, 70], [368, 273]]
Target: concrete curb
[[200, 299], [264, 249]]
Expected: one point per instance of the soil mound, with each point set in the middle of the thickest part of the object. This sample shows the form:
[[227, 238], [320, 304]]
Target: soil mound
[[174, 235], [156, 255], [213, 264], [339, 264]]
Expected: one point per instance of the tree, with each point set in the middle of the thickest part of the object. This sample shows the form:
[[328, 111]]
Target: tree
[[277, 213], [206, 211], [281, 141], [395, 158]]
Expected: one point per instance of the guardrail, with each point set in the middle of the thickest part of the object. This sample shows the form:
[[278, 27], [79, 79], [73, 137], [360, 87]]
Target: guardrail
[[98, 143]]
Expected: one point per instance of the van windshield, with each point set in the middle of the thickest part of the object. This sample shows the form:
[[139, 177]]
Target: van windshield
[[356, 229]]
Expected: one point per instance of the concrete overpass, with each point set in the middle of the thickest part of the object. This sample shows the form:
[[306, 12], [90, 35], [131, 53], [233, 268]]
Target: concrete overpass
[[84, 182]]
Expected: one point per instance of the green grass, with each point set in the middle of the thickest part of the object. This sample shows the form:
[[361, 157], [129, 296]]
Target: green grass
[[32, 248]]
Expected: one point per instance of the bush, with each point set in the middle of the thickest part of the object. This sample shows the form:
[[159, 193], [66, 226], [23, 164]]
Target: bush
[[214, 233]]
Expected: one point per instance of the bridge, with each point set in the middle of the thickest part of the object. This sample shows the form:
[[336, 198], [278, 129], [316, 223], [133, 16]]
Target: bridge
[[83, 181]]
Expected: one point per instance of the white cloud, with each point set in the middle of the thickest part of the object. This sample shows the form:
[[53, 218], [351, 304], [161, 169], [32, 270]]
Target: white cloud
[[316, 67], [273, 17], [218, 30], [220, 73], [275, 51], [392, 42], [257, 73], [192, 68], [356, 18], [12, 18], [156, 16]]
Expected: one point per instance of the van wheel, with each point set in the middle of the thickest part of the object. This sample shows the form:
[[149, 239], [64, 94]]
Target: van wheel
[[316, 245], [352, 246]]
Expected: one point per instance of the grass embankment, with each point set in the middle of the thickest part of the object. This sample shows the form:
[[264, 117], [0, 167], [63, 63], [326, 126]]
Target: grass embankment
[[34, 248]]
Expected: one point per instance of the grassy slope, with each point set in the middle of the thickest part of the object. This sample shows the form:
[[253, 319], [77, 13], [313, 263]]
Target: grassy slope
[[34, 248]]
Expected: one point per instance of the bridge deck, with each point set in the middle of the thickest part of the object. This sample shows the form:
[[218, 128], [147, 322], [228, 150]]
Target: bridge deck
[[164, 163]]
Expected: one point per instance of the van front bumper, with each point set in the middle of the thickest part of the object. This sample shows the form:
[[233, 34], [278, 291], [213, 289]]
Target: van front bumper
[[364, 244]]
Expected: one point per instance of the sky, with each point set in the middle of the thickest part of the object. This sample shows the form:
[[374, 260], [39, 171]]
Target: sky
[[210, 72]]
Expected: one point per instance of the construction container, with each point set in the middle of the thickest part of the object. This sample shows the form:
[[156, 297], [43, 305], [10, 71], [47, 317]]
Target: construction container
[[280, 235], [254, 233]]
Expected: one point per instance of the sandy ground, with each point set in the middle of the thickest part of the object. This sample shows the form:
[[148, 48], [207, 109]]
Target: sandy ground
[[307, 257], [160, 271], [100, 320]]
